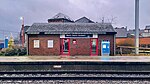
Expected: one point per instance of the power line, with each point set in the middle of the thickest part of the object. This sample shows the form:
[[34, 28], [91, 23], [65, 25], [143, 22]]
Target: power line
[[4, 33], [9, 31]]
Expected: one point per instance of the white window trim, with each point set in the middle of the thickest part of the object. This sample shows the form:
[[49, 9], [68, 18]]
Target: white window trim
[[37, 45], [50, 43]]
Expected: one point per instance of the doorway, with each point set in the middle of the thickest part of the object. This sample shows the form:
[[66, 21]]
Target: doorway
[[65, 46], [94, 47]]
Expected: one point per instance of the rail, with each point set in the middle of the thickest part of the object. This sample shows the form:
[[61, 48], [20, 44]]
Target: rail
[[74, 75], [132, 49]]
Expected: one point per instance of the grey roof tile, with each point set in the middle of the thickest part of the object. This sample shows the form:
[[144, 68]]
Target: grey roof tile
[[70, 28], [121, 32], [26, 28], [61, 15], [84, 20]]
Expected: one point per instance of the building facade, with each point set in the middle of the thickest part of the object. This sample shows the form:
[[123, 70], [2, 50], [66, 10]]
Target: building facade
[[62, 36], [69, 38], [146, 32], [144, 42]]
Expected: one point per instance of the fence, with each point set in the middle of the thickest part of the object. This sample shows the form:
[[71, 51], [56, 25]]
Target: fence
[[131, 50]]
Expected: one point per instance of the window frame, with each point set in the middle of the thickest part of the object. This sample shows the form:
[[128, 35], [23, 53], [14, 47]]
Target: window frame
[[52, 41], [38, 43]]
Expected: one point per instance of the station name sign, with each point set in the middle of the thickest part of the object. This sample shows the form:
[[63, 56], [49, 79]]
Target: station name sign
[[79, 35]]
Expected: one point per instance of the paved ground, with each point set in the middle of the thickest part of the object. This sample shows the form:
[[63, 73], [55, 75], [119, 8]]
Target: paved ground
[[75, 58]]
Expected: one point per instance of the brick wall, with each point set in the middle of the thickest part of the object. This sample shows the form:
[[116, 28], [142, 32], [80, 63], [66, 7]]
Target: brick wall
[[81, 48], [142, 40], [44, 50], [109, 38]]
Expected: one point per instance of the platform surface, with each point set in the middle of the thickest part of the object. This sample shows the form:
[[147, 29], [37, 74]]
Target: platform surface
[[74, 58]]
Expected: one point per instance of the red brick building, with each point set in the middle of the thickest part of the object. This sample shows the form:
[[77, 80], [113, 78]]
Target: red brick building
[[69, 38], [144, 42]]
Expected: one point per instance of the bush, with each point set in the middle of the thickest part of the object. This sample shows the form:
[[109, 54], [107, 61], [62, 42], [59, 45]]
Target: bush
[[1, 54], [13, 52], [22, 51]]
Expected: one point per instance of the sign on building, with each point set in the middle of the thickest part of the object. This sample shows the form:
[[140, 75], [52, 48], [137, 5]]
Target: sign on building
[[105, 46]]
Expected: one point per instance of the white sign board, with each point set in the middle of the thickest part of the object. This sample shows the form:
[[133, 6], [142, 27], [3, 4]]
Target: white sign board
[[104, 46], [50, 43]]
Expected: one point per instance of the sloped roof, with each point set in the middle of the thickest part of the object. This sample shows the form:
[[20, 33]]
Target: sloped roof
[[84, 20], [61, 16], [70, 28], [133, 31], [147, 27], [121, 32], [26, 28]]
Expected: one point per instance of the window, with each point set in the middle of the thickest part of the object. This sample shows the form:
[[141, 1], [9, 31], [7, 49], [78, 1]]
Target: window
[[50, 43], [94, 46], [36, 44], [66, 45], [145, 30], [148, 45], [74, 41], [143, 45]]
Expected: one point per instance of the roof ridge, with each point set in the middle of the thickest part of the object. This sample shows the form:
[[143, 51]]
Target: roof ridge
[[61, 15], [82, 19]]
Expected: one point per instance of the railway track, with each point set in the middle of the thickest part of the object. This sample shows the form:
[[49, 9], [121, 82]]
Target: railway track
[[74, 75]]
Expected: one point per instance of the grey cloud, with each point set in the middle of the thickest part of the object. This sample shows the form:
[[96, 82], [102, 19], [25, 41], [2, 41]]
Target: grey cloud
[[41, 10]]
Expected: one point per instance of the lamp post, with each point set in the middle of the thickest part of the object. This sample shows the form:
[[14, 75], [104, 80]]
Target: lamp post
[[136, 27], [22, 18], [22, 32]]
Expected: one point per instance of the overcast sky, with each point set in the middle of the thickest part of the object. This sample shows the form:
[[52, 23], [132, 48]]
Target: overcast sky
[[40, 10]]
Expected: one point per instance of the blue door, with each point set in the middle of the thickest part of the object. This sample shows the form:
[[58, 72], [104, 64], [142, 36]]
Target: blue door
[[105, 48]]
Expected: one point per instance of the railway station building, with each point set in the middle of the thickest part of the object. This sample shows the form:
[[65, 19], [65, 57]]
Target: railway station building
[[63, 36]]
